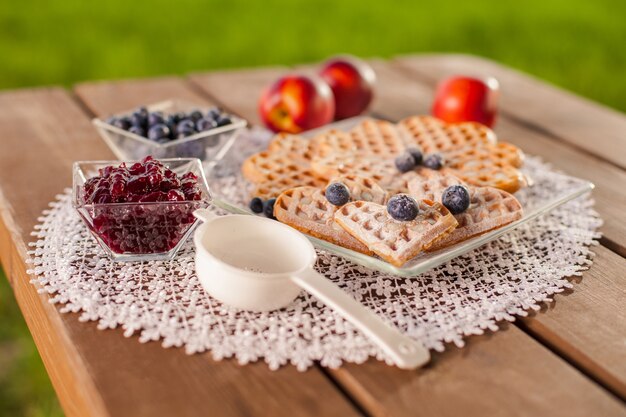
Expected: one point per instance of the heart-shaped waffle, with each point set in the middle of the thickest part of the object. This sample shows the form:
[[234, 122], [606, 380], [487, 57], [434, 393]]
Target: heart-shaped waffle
[[267, 166], [428, 184], [490, 208], [369, 138], [393, 240], [273, 187], [399, 183], [307, 210], [382, 171], [294, 147], [362, 189], [484, 172], [435, 135]]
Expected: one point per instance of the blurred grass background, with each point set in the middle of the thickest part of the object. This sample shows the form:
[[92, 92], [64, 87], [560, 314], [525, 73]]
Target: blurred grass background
[[576, 44]]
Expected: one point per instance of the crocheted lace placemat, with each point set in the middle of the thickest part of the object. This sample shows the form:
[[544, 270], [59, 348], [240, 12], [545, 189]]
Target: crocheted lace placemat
[[468, 295]]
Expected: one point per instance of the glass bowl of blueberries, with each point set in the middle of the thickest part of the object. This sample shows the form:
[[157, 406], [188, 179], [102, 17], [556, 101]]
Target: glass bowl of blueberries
[[170, 129], [140, 210]]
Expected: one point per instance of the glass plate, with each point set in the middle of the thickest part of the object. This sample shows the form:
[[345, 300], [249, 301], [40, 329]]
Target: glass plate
[[231, 193]]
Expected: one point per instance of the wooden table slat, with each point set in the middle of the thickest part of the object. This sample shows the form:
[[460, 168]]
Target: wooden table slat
[[591, 126], [102, 373]]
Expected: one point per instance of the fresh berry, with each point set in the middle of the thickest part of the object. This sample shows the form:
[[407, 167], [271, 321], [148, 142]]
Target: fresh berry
[[402, 207], [139, 119], [223, 121], [268, 208], [122, 123], [337, 194], [195, 115], [416, 153], [256, 205], [137, 131], [155, 118], [456, 198], [158, 131], [433, 161], [214, 113], [205, 124], [405, 162], [186, 128]]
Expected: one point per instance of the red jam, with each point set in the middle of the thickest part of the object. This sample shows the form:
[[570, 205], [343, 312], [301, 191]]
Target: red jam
[[142, 228]]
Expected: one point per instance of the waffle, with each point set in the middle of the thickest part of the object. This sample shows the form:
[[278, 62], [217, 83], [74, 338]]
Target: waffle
[[434, 135], [267, 166], [490, 208], [278, 183], [380, 170], [362, 189], [430, 185], [294, 147], [501, 153], [369, 138], [399, 183], [395, 241], [307, 210], [485, 172]]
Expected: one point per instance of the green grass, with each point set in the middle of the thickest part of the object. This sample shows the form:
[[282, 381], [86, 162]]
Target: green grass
[[576, 44], [25, 389]]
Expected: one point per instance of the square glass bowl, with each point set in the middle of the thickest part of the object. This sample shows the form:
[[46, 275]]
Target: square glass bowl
[[209, 145], [140, 231]]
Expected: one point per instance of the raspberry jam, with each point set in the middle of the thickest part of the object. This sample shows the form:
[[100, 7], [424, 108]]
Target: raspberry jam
[[144, 208]]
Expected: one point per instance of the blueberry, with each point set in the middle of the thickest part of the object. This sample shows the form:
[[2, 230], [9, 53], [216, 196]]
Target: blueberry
[[173, 130], [433, 161], [142, 110], [195, 115], [456, 198], [256, 205], [268, 208], [337, 194], [185, 128], [405, 162], [155, 118], [122, 123], [137, 131], [205, 124], [223, 121], [214, 113], [139, 119], [402, 207], [171, 119], [416, 153], [158, 131]]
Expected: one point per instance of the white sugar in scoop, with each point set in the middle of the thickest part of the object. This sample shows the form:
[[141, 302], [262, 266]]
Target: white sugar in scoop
[[258, 264]]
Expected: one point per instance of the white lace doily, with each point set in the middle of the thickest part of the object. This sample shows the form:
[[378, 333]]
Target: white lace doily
[[164, 300]]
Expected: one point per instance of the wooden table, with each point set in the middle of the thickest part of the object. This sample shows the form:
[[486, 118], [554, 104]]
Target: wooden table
[[567, 360]]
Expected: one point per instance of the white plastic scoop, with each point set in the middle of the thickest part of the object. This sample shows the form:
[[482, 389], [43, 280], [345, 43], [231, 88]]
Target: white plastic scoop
[[258, 264]]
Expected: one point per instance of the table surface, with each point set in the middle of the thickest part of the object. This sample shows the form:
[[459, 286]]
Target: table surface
[[569, 359]]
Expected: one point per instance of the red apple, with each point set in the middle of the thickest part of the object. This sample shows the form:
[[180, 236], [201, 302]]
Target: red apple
[[463, 99], [295, 103], [352, 81]]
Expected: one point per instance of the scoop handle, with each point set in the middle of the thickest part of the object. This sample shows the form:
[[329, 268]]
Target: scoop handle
[[405, 352]]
